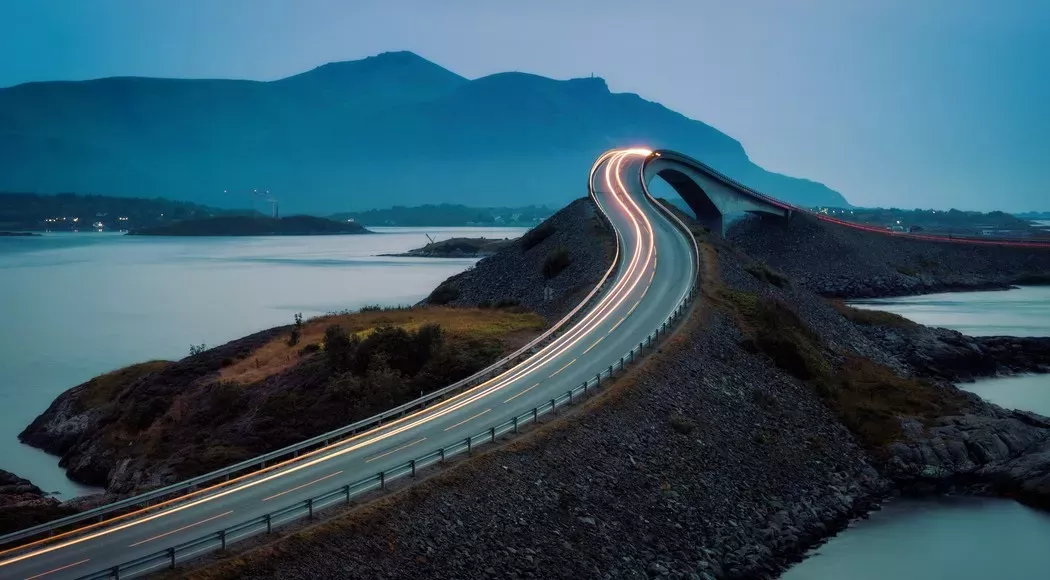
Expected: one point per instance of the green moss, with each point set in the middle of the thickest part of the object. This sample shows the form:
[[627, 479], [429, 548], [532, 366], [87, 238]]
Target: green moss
[[869, 398], [556, 262], [763, 272], [871, 317]]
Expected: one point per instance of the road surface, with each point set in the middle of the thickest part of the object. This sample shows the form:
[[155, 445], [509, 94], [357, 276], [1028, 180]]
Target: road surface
[[657, 268]]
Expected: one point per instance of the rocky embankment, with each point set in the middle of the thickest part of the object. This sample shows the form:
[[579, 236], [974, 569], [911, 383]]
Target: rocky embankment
[[770, 420], [575, 237], [23, 504], [456, 248], [837, 261]]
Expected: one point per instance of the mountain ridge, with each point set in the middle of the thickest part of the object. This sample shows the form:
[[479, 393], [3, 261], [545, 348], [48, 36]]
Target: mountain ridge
[[394, 128]]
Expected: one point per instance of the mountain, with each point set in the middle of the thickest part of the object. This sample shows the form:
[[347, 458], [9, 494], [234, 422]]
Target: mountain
[[389, 129]]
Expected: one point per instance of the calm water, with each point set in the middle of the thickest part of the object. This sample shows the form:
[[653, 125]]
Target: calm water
[[957, 538], [78, 305], [1021, 312], [949, 538]]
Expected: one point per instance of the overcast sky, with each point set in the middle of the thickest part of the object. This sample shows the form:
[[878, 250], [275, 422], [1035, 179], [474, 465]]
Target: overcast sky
[[930, 103]]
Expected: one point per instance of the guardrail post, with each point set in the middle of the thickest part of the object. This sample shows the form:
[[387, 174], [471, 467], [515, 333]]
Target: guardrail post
[[222, 538], [442, 455], [382, 480], [515, 424], [269, 521], [115, 572], [470, 445], [310, 507], [346, 490], [610, 372], [413, 462], [171, 554], [621, 363], [554, 408], [570, 396], [492, 434]]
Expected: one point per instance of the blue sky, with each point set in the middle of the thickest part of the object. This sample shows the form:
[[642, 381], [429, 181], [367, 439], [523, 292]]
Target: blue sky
[[929, 103]]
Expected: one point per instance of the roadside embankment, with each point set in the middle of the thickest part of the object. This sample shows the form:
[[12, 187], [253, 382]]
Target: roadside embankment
[[771, 418], [838, 261], [567, 254], [158, 423], [23, 504]]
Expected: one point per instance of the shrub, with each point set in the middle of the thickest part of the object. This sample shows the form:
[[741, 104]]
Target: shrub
[[556, 262], [309, 349], [681, 425], [339, 348], [533, 237], [443, 294], [297, 331], [763, 272], [871, 317], [196, 349]]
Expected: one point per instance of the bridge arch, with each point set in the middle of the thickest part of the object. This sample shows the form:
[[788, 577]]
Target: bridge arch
[[708, 193]]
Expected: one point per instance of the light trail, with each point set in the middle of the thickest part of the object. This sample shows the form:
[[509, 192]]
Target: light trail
[[609, 303], [175, 531], [307, 484]]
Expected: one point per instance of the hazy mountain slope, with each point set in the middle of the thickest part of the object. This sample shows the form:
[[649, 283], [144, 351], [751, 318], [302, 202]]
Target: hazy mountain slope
[[390, 129]]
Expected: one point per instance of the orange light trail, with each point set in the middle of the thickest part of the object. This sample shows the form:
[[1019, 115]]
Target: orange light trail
[[607, 306]]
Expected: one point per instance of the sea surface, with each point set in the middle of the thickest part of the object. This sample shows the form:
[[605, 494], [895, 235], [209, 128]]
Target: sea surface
[[958, 538], [78, 305]]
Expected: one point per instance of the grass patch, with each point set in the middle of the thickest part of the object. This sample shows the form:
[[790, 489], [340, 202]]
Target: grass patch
[[104, 388], [536, 235], [869, 398], [477, 324], [681, 425], [870, 317], [763, 272], [556, 262]]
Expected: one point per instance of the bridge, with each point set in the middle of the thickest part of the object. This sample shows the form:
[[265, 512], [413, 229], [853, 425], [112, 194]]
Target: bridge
[[638, 300]]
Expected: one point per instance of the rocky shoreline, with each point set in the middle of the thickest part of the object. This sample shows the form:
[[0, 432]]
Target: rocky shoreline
[[768, 422], [720, 458]]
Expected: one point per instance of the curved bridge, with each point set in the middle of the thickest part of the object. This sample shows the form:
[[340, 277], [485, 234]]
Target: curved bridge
[[709, 193], [636, 302]]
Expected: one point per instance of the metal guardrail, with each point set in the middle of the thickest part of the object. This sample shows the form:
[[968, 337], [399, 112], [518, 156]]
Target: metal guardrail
[[258, 463], [171, 556], [344, 494]]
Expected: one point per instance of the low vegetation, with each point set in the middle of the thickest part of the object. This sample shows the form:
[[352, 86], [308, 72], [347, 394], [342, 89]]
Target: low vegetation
[[870, 317], [445, 293], [556, 262], [533, 237], [869, 398], [763, 272], [199, 414]]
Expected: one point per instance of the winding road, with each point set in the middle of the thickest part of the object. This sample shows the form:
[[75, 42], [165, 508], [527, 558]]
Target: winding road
[[655, 271]]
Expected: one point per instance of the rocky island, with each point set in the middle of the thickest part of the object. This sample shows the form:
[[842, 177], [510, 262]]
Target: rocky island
[[774, 414], [300, 225], [456, 248]]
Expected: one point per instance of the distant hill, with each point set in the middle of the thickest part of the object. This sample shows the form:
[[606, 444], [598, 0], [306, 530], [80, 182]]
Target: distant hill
[[447, 215], [299, 225], [67, 212], [393, 129]]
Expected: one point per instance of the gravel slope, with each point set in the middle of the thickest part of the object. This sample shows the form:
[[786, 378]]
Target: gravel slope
[[834, 260]]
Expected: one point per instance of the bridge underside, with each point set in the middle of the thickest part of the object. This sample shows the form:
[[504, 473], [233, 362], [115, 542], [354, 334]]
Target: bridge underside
[[708, 197]]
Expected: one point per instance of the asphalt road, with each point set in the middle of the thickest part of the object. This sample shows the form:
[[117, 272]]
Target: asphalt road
[[656, 271]]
